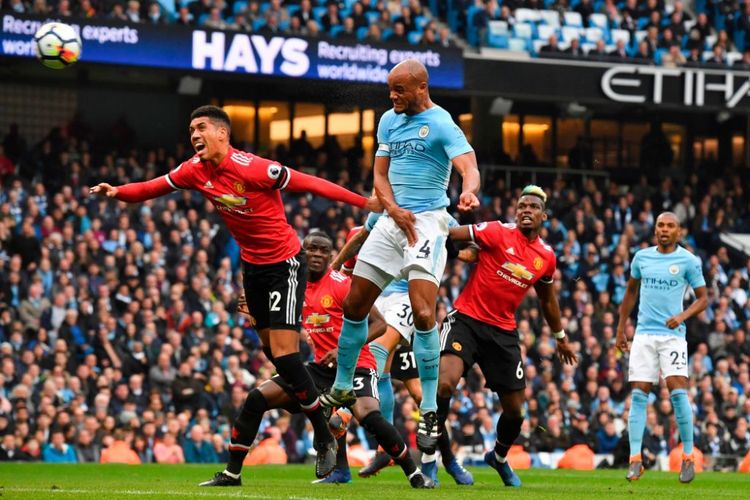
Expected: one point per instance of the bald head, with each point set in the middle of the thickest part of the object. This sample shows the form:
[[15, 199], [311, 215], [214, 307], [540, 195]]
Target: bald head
[[411, 68], [668, 216]]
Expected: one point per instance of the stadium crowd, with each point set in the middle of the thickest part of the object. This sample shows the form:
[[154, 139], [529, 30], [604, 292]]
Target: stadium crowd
[[119, 339], [366, 20]]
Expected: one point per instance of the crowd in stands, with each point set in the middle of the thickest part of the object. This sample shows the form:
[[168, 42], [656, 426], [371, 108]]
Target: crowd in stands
[[119, 340], [363, 20]]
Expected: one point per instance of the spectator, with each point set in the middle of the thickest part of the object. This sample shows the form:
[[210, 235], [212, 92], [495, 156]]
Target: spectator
[[155, 15], [58, 451], [87, 451], [620, 52], [197, 449], [120, 452], [674, 58], [133, 12], [168, 451], [551, 47]]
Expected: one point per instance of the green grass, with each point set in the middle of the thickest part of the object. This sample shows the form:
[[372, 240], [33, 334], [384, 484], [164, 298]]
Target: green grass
[[99, 482]]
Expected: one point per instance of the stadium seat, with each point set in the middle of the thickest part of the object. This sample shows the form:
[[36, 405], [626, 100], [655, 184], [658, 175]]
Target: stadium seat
[[319, 12], [258, 24], [518, 44], [640, 35], [386, 33], [544, 31], [239, 6], [414, 37], [550, 17], [527, 16], [537, 45], [733, 57], [593, 35], [623, 35], [372, 17], [641, 23], [599, 20], [569, 33], [421, 21], [573, 19], [292, 9], [710, 41], [264, 7], [497, 34], [335, 30], [523, 30], [362, 32]]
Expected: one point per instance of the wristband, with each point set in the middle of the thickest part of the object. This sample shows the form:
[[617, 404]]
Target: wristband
[[559, 335]]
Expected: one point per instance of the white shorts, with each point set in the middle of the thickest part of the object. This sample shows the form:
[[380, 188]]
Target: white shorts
[[651, 353], [386, 247], [396, 309]]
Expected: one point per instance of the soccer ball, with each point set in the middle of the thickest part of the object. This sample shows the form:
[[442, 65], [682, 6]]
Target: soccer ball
[[57, 45]]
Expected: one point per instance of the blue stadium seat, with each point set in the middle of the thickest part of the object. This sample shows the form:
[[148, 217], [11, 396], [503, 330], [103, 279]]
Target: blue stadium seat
[[258, 24], [421, 21], [518, 44], [414, 37], [239, 6], [386, 34], [472, 34], [335, 30], [739, 40], [372, 17], [362, 32], [573, 19], [292, 9], [264, 7], [319, 12], [202, 19]]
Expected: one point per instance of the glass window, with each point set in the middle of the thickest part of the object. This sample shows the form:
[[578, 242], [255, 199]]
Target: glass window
[[510, 135], [604, 141], [242, 114], [274, 125], [738, 150], [632, 138], [465, 121], [537, 133], [569, 130], [344, 127], [310, 118], [675, 133]]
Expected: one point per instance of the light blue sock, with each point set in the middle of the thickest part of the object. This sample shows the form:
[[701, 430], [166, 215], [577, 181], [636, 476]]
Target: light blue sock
[[684, 417], [637, 420], [385, 391], [427, 354], [353, 337], [380, 353]]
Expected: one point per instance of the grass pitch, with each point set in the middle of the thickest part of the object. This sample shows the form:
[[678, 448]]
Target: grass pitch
[[92, 481]]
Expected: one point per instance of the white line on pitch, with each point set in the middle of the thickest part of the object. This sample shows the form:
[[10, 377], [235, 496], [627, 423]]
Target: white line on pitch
[[213, 493]]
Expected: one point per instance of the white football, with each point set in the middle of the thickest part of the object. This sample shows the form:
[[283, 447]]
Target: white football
[[57, 45]]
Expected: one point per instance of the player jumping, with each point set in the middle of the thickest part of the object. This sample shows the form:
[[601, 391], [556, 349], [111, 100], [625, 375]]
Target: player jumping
[[417, 143], [482, 328], [246, 191], [662, 274], [322, 318]]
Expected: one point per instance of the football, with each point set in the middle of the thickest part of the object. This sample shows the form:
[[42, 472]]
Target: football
[[57, 45]]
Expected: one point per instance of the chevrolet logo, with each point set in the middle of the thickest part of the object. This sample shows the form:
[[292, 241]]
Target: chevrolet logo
[[318, 319], [518, 270], [231, 201]]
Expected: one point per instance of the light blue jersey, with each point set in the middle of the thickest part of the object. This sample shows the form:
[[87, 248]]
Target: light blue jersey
[[395, 286], [421, 148], [664, 279]]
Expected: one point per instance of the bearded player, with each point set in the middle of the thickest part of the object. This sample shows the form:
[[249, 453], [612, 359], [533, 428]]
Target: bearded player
[[662, 274], [246, 191], [482, 328]]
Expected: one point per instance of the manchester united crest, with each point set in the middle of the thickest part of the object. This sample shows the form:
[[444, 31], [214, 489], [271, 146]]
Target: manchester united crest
[[457, 346], [326, 301], [239, 187], [538, 263]]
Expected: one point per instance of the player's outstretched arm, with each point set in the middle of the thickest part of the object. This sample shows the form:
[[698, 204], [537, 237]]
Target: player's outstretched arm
[[545, 290], [697, 307], [461, 233], [350, 249], [134, 192], [626, 307], [299, 181], [466, 164]]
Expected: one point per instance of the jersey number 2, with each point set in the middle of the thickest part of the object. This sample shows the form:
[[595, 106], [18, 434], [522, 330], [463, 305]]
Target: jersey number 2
[[273, 301]]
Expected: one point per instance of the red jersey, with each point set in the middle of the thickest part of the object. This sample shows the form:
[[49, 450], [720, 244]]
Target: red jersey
[[348, 266], [508, 265], [246, 190], [323, 315]]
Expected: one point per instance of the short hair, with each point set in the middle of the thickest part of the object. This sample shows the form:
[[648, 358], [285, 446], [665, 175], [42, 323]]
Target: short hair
[[320, 234], [213, 113], [534, 190]]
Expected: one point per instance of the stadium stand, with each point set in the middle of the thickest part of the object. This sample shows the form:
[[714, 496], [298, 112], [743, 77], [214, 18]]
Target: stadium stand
[[118, 331]]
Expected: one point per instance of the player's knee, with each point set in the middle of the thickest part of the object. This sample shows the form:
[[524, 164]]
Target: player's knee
[[424, 316], [255, 404], [354, 307], [445, 387]]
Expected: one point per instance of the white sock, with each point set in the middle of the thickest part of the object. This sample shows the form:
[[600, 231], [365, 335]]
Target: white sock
[[500, 459], [233, 476], [428, 459]]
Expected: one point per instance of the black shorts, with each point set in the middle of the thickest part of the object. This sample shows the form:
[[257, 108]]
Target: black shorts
[[365, 380], [275, 292], [404, 364], [496, 351]]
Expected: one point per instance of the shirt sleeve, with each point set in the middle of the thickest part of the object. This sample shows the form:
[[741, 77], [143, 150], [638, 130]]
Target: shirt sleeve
[[635, 267], [341, 290], [267, 174], [182, 176], [372, 219], [384, 148], [453, 139], [482, 233], [549, 274], [695, 273]]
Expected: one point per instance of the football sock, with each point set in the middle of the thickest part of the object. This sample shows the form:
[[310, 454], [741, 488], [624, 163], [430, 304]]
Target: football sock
[[294, 373], [444, 442], [341, 462], [684, 417], [388, 437], [385, 391], [380, 353], [245, 429], [508, 429], [637, 420], [427, 354], [353, 337]]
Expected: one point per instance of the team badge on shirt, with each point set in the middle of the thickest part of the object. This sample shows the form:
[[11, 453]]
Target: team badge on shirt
[[239, 187], [424, 131], [538, 263], [674, 269], [457, 346], [326, 301]]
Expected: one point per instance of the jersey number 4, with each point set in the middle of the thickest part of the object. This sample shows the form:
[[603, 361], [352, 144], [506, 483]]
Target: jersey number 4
[[424, 252]]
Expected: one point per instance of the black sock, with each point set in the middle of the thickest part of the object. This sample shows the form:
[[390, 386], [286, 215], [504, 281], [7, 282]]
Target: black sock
[[388, 437], [508, 429], [444, 442], [245, 429], [294, 373], [341, 462]]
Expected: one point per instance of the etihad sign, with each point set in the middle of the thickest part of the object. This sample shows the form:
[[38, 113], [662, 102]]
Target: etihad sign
[[680, 86]]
